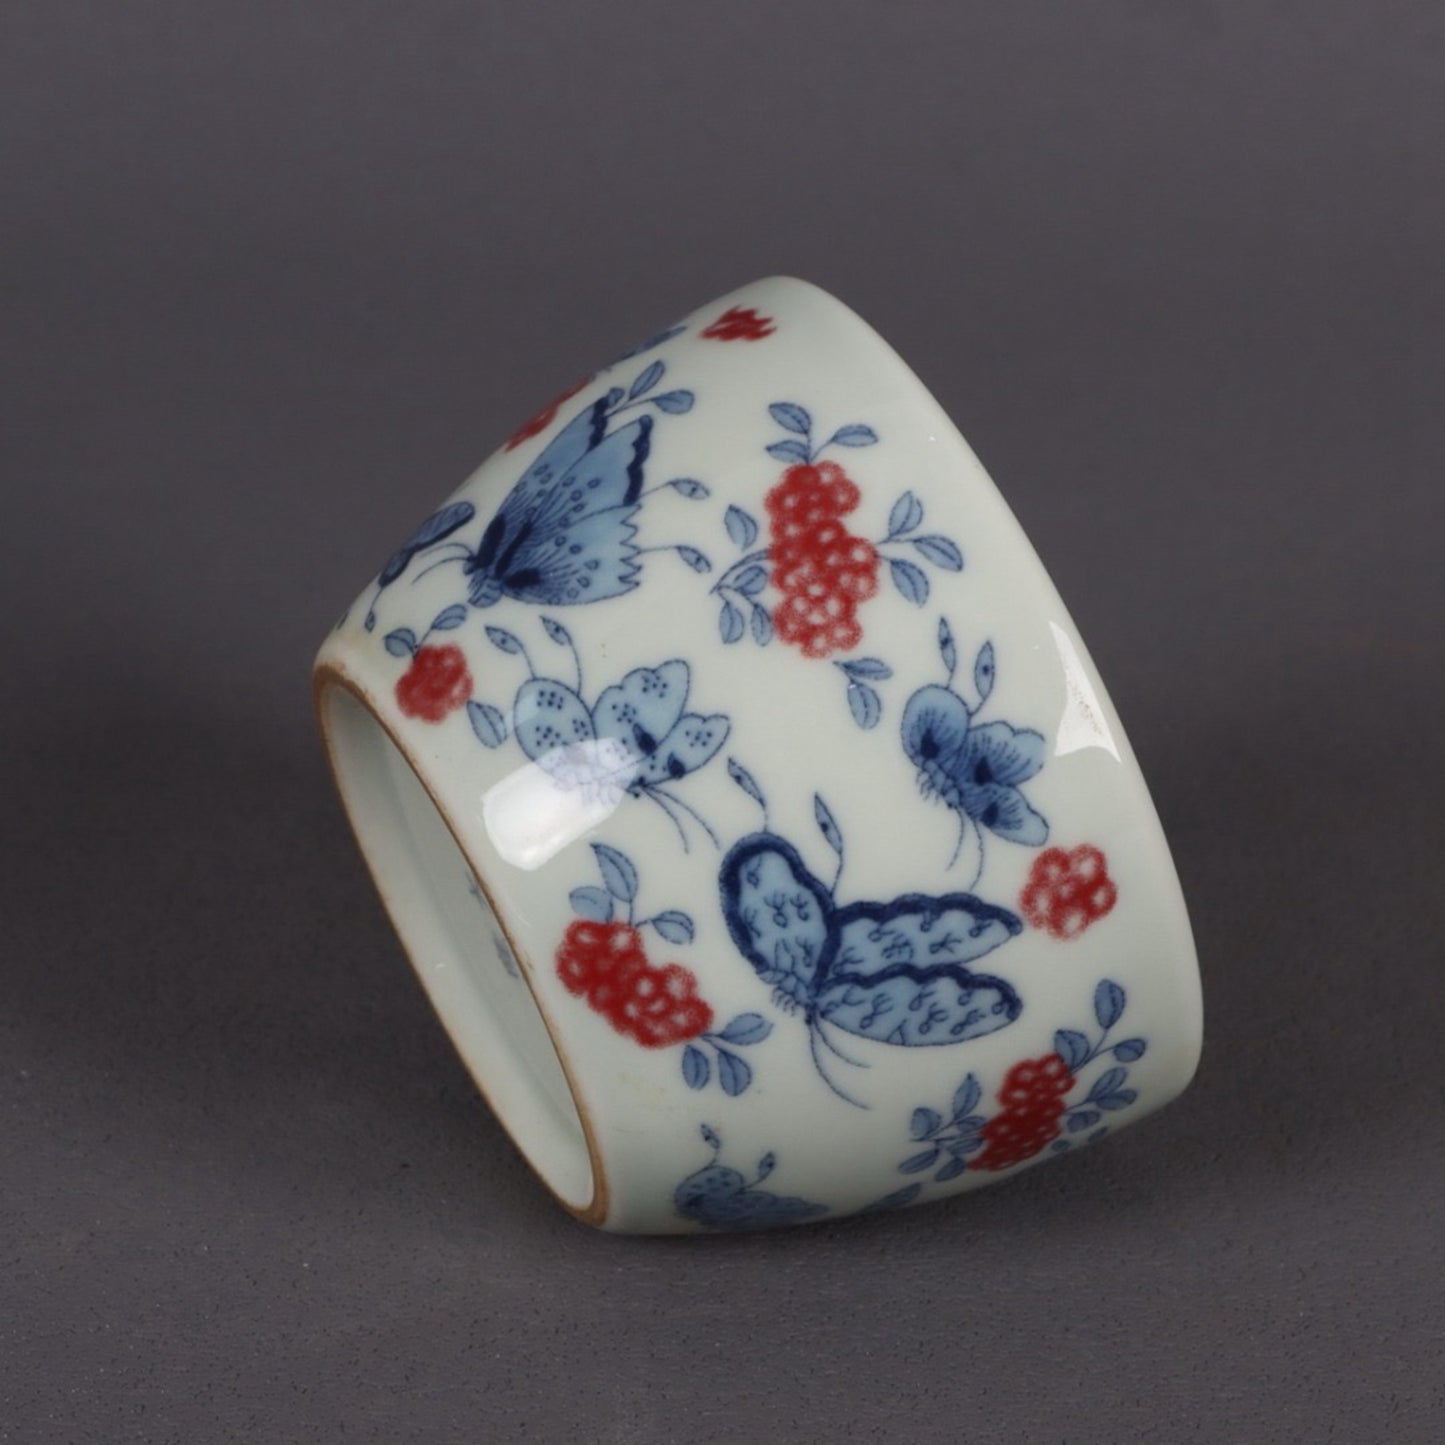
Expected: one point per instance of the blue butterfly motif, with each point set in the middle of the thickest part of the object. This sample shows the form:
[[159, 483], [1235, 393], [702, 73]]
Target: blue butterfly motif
[[637, 737], [974, 768], [565, 533], [895, 972], [718, 1197]]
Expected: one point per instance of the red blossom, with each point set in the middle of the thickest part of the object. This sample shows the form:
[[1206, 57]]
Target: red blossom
[[1067, 891], [436, 683], [1032, 1095], [740, 323], [606, 963], [822, 569], [541, 420]]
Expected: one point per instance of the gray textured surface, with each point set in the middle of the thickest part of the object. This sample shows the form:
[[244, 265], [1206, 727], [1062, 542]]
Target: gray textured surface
[[276, 276]]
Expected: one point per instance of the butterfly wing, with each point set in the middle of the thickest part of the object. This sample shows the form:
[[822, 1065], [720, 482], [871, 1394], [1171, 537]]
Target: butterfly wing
[[995, 760], [644, 707], [691, 743], [780, 917], [645, 713], [548, 715], [568, 538], [935, 733], [899, 974]]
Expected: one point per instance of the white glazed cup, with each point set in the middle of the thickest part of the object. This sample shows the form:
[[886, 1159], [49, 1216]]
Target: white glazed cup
[[746, 800]]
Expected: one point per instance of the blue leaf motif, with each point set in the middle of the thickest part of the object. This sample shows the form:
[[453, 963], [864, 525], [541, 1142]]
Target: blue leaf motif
[[695, 1067], [591, 903], [732, 1073], [762, 625], [1108, 1003], [766, 1165], [690, 488], [1107, 1083], [488, 724], [946, 647], [907, 514], [401, 643], [1072, 1047], [866, 667], [449, 618], [917, 1163], [1120, 1100], [1083, 1119], [730, 623], [940, 551], [924, 1122], [675, 403], [751, 580], [746, 782], [499, 637], [617, 872], [951, 1170], [791, 417], [984, 672], [853, 436], [675, 926], [644, 383], [694, 559], [1129, 1050], [788, 451], [746, 1029], [910, 580], [710, 1137], [827, 824], [965, 1098], [865, 705]]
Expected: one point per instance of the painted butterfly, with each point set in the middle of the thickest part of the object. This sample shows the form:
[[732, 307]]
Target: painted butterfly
[[723, 1198], [894, 972], [637, 737], [564, 534], [973, 768]]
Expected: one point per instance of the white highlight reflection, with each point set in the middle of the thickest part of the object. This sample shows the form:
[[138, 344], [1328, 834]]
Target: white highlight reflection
[[535, 812], [1083, 724]]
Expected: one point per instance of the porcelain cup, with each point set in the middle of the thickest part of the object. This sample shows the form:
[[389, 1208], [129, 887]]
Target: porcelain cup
[[747, 801]]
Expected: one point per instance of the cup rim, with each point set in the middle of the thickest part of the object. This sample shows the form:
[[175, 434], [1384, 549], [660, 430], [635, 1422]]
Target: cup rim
[[326, 677]]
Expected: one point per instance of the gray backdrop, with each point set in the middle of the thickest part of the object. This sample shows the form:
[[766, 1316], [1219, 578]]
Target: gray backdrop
[[276, 276]]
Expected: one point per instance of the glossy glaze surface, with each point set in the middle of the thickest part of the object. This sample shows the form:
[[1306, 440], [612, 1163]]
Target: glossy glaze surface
[[806, 820]]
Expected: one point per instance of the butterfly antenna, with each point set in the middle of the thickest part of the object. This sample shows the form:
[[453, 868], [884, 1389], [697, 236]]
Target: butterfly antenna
[[690, 811], [815, 1033], [443, 561], [962, 834], [836, 1051], [978, 871], [653, 795]]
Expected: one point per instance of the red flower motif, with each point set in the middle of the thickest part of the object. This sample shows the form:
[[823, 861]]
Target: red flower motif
[[1032, 1095], [1066, 892], [606, 963], [822, 569], [436, 683], [740, 323], [541, 420]]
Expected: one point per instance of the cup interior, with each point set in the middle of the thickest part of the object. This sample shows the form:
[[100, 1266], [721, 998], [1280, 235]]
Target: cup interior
[[457, 944]]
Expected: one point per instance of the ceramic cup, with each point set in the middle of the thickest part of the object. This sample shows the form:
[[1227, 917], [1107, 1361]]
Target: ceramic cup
[[746, 800]]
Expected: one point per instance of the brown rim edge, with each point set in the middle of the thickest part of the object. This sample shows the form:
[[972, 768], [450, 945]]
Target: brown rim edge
[[329, 674]]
